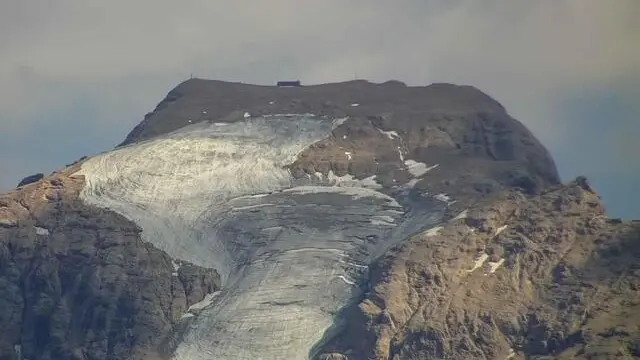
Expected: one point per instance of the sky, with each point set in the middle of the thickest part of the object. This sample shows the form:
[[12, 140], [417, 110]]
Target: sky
[[77, 75]]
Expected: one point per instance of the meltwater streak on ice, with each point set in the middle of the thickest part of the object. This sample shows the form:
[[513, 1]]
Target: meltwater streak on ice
[[289, 259]]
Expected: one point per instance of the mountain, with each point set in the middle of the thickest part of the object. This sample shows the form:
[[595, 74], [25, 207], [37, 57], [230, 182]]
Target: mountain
[[336, 221]]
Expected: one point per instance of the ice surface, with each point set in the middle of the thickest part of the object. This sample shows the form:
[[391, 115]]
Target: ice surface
[[290, 253]]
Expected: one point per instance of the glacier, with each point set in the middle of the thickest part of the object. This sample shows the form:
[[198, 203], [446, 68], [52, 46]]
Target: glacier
[[291, 252]]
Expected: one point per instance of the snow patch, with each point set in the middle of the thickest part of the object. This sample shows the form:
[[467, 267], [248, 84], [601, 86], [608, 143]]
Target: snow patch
[[41, 231], [247, 115], [400, 153], [442, 197], [511, 354], [411, 183], [432, 232], [208, 300], [462, 215], [349, 181], [344, 137], [390, 134], [271, 102], [348, 155], [418, 169], [18, 349], [493, 266], [355, 104], [478, 262], [499, 230], [339, 121]]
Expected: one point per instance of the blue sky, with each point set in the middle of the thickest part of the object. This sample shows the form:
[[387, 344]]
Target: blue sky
[[76, 76]]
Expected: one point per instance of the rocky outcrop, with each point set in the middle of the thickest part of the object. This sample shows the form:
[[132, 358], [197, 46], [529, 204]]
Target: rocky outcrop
[[199, 100], [30, 179], [514, 277], [77, 282]]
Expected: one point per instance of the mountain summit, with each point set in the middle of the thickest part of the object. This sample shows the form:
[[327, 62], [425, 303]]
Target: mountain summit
[[338, 221]]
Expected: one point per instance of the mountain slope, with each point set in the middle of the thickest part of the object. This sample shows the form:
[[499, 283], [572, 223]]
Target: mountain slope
[[343, 220], [78, 282], [516, 277]]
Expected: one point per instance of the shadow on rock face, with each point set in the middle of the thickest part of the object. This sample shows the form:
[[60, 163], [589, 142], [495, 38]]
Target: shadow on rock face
[[31, 179]]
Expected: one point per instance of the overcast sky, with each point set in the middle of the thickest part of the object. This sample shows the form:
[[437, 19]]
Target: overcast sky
[[77, 75]]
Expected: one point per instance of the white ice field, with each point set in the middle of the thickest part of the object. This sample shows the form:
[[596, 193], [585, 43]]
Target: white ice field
[[291, 253]]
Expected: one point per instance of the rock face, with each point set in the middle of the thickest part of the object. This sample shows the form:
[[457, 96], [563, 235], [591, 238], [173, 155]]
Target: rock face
[[346, 221], [512, 277], [77, 282]]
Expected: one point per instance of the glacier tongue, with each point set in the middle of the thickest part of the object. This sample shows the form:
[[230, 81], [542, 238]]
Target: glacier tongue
[[290, 260]]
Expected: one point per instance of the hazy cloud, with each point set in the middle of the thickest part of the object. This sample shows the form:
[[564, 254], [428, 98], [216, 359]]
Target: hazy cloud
[[118, 58]]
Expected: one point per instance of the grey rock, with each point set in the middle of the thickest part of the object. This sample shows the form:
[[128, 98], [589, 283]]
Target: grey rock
[[30, 179]]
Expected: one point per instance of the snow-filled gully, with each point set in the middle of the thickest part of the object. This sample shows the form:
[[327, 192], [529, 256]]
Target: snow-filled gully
[[290, 252]]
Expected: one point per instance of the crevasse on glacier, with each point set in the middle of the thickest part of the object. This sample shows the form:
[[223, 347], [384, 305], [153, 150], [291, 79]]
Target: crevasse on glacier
[[290, 252]]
